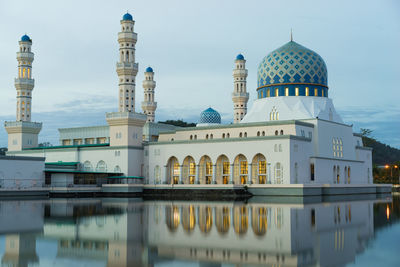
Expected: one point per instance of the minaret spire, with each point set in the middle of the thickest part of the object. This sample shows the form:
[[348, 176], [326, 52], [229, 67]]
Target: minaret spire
[[126, 67], [149, 105], [291, 35], [240, 97]]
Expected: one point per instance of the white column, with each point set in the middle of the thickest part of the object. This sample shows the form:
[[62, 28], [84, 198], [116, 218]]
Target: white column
[[214, 180], [249, 175], [197, 174], [180, 174], [232, 173]]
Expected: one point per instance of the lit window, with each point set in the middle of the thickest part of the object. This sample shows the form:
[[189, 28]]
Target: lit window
[[307, 91], [268, 94], [276, 92], [315, 92], [322, 92], [297, 91], [286, 91]]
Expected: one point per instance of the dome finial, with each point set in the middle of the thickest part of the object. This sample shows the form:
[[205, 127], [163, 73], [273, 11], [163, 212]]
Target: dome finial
[[291, 35]]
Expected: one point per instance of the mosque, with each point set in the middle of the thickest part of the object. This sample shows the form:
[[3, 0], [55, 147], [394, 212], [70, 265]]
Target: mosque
[[291, 135]]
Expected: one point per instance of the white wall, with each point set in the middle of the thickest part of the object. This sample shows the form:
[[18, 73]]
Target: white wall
[[21, 172]]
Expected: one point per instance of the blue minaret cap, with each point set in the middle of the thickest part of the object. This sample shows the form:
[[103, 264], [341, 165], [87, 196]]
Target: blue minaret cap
[[127, 16], [240, 57], [149, 69], [25, 38]]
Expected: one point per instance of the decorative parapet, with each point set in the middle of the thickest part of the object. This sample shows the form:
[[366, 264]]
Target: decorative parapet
[[126, 118], [22, 127]]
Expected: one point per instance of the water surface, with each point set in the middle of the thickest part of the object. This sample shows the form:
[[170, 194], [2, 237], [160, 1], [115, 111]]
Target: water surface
[[362, 231]]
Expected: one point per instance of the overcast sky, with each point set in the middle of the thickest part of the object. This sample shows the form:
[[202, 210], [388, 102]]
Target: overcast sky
[[191, 46]]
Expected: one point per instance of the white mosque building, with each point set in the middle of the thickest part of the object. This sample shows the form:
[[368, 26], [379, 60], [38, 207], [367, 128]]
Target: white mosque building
[[291, 135]]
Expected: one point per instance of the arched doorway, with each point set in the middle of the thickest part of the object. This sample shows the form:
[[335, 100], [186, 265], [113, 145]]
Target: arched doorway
[[240, 169], [188, 170], [223, 170], [173, 171], [259, 169], [205, 170]]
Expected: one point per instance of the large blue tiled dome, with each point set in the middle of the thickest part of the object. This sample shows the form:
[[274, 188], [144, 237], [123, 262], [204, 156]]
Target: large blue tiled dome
[[293, 64], [149, 69], [127, 16], [210, 116]]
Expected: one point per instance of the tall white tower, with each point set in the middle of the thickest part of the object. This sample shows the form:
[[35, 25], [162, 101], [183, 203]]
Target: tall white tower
[[149, 105], [23, 133], [239, 95], [126, 67], [126, 126]]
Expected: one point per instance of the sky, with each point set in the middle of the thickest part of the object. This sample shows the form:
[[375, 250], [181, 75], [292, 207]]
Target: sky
[[191, 45]]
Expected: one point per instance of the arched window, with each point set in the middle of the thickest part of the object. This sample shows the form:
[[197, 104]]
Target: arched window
[[245, 134], [307, 91], [276, 148], [278, 173], [315, 92], [117, 169], [286, 91], [258, 133], [276, 132], [227, 135], [87, 166], [240, 135], [296, 173], [276, 92], [191, 137], [195, 137], [280, 147], [334, 174], [263, 133], [296, 92], [206, 136], [281, 132], [211, 136], [101, 166], [223, 135]]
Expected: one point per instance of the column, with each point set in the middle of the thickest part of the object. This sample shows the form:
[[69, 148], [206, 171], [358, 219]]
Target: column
[[197, 174], [214, 175], [180, 174], [232, 173], [250, 174]]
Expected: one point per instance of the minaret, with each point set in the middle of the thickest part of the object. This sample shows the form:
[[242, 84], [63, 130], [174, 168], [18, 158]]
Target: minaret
[[126, 67], [23, 133], [239, 95], [149, 105], [24, 83], [126, 126]]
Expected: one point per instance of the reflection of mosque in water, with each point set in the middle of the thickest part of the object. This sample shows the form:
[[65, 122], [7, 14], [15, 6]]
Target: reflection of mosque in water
[[136, 233], [277, 234]]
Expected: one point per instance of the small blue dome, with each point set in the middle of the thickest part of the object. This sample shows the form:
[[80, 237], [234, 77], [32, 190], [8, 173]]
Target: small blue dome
[[240, 57], [149, 69], [25, 38], [127, 16], [210, 116]]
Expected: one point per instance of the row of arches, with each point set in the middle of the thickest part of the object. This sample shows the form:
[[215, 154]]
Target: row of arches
[[101, 166], [337, 175], [223, 218], [240, 171]]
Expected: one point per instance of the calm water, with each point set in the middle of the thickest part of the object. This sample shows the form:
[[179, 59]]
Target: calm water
[[261, 232]]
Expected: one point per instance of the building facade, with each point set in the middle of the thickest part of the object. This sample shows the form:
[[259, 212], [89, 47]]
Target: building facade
[[290, 135]]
